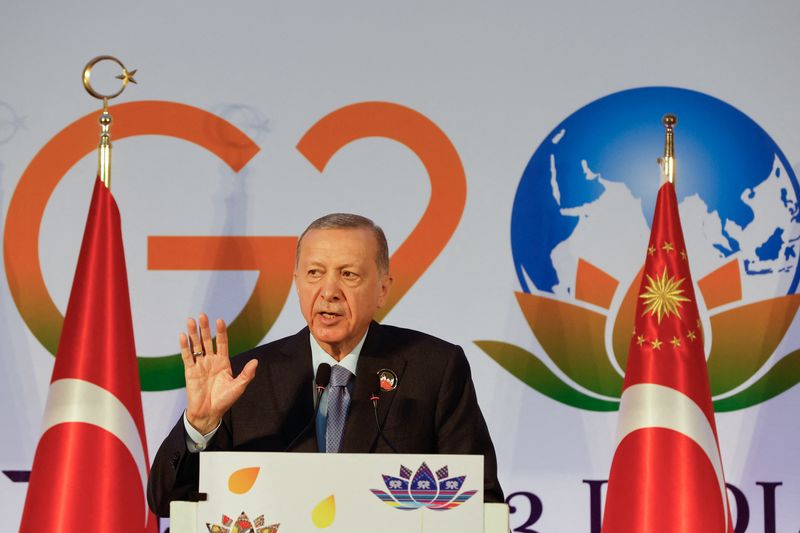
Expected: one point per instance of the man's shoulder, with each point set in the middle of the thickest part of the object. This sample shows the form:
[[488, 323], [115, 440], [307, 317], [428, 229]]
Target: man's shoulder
[[420, 341], [427, 357], [286, 345]]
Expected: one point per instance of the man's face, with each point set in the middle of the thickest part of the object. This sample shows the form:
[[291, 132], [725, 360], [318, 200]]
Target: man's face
[[339, 286]]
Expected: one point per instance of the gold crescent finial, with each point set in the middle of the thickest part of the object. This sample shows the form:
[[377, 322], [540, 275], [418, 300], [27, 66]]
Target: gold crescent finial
[[126, 77], [104, 149]]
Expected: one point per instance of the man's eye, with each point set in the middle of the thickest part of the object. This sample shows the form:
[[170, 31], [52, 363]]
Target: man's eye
[[349, 275], [314, 273]]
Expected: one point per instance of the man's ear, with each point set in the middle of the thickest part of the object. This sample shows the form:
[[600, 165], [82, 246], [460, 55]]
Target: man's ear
[[386, 284]]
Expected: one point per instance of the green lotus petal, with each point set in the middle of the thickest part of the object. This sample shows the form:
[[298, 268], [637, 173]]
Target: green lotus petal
[[573, 339], [744, 339], [780, 378], [526, 367]]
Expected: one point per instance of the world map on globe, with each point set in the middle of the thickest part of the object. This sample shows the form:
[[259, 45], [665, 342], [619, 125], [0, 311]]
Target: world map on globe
[[580, 228], [589, 192]]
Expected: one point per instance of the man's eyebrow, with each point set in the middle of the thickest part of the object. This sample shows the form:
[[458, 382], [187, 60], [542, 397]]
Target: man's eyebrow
[[350, 266]]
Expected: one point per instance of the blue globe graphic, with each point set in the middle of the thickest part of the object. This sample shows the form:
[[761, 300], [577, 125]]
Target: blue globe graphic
[[724, 160]]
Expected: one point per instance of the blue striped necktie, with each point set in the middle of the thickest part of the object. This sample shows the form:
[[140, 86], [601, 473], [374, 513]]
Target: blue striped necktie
[[338, 405]]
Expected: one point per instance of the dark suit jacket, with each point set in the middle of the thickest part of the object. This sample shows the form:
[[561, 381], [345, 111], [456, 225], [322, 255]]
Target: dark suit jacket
[[433, 409]]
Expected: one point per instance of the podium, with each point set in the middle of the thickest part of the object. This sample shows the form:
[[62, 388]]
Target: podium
[[259, 492]]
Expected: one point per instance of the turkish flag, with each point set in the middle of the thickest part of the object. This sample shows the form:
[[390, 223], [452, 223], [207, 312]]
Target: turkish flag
[[666, 474], [91, 465]]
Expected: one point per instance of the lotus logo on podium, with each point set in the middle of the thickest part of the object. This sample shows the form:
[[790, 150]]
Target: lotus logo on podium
[[243, 524], [437, 493]]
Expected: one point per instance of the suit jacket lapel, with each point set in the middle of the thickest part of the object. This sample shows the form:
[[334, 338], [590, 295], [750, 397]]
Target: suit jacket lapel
[[291, 380], [360, 430]]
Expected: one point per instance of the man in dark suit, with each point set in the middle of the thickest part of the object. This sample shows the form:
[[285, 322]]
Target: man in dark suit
[[342, 278]]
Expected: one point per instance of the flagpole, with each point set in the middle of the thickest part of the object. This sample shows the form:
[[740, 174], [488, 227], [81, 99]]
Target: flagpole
[[666, 474], [91, 464], [668, 161], [104, 148]]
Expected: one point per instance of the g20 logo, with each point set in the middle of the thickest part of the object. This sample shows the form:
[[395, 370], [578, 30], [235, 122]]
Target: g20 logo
[[579, 231], [271, 256]]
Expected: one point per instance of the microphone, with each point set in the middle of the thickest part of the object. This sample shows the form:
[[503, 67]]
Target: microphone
[[375, 397], [321, 381]]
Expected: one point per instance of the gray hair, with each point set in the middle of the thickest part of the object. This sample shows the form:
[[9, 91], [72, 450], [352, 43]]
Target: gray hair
[[351, 221]]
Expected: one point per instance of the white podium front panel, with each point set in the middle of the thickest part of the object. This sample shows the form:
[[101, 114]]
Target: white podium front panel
[[287, 492]]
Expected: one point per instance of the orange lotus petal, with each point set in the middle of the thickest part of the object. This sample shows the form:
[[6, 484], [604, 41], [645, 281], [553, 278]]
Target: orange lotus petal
[[593, 285], [325, 511], [745, 337], [574, 338], [722, 286], [626, 318], [243, 480]]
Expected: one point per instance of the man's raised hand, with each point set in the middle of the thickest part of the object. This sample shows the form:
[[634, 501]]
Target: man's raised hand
[[211, 388]]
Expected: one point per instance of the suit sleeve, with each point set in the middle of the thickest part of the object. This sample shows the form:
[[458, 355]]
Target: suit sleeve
[[175, 471], [460, 426], [174, 474]]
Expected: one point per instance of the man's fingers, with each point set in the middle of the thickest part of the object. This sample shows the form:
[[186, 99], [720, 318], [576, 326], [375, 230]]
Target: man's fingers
[[247, 373], [186, 353], [205, 335], [195, 346], [222, 338]]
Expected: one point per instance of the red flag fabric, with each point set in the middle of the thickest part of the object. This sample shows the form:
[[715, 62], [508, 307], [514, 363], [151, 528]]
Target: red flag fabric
[[90, 467], [666, 474]]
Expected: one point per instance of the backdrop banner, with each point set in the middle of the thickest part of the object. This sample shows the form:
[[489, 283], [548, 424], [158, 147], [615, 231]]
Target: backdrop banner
[[507, 149]]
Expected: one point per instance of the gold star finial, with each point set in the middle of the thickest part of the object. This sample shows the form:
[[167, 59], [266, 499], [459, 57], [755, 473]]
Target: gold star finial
[[127, 76]]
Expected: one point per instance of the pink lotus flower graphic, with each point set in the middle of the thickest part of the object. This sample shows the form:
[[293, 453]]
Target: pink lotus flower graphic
[[438, 493]]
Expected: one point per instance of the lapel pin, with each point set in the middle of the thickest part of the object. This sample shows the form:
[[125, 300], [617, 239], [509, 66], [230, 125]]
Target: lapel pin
[[388, 379]]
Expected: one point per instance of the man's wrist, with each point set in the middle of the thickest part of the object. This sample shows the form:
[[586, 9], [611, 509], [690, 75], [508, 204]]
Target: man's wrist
[[204, 426], [195, 440]]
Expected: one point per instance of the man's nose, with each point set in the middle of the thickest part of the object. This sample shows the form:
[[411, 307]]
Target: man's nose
[[330, 289]]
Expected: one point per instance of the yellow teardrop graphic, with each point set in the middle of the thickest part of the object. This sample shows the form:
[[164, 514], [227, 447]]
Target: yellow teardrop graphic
[[243, 480], [323, 514]]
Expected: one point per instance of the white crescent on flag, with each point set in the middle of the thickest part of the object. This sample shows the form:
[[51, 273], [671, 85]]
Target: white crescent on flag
[[76, 400], [647, 405]]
